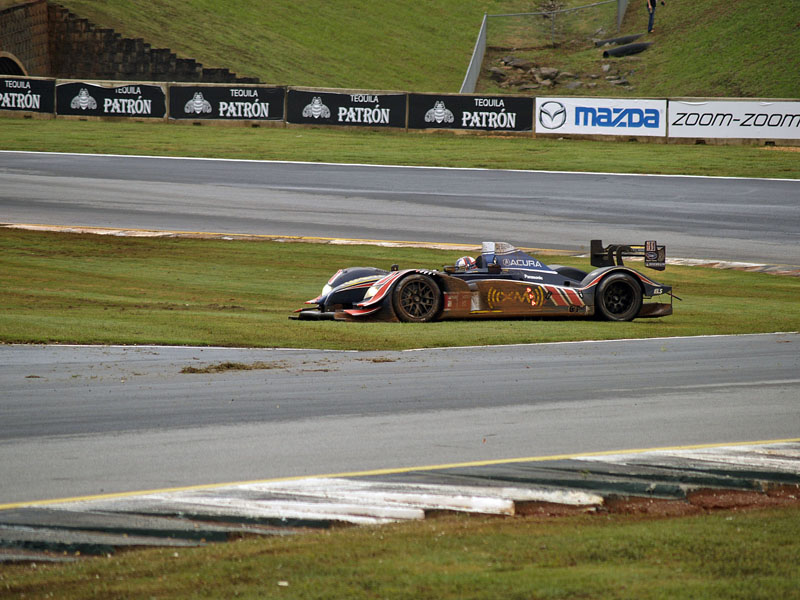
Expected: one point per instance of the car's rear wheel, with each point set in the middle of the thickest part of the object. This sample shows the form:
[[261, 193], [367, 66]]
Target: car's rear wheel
[[618, 298], [417, 299]]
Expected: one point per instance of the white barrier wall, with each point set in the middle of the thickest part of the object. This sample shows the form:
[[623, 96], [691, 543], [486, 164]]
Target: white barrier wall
[[701, 119], [734, 119], [601, 116]]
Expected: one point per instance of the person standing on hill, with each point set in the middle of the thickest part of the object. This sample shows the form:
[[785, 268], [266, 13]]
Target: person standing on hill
[[651, 8]]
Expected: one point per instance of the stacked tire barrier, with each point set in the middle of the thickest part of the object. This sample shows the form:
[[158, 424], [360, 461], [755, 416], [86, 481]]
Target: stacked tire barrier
[[646, 119]]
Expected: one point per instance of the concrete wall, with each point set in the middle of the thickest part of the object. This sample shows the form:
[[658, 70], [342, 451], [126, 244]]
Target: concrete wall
[[24, 36], [50, 41]]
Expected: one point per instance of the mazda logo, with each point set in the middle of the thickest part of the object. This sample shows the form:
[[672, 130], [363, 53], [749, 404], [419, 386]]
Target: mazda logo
[[552, 115]]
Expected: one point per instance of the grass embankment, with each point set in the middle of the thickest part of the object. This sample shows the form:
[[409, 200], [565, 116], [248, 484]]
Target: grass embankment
[[701, 48], [728, 555], [422, 46], [99, 289], [396, 147], [717, 48]]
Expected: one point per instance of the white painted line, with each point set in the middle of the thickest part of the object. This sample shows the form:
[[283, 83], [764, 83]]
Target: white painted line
[[381, 166], [436, 348], [704, 386], [685, 337]]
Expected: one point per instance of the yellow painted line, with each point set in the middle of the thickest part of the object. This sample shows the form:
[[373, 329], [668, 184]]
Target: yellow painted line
[[390, 471]]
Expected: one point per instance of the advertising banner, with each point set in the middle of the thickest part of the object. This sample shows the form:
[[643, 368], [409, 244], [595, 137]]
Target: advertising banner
[[485, 113], [601, 116], [235, 102], [363, 109], [94, 100], [734, 119], [29, 95]]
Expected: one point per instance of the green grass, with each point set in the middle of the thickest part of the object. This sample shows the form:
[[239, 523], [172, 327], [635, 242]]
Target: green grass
[[701, 48], [102, 289], [728, 555], [369, 147], [422, 46], [716, 48]]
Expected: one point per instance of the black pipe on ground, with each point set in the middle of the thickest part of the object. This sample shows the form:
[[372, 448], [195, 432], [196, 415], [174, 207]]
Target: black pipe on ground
[[626, 50], [625, 39]]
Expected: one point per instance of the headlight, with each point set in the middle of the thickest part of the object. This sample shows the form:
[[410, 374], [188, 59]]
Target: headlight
[[326, 290], [370, 292]]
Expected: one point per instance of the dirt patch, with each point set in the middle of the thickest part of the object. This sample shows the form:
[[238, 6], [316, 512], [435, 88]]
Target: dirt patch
[[549, 509], [783, 148], [703, 501], [650, 506], [728, 499], [235, 366]]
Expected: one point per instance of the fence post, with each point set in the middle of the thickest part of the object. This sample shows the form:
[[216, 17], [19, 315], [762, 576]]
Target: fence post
[[622, 6]]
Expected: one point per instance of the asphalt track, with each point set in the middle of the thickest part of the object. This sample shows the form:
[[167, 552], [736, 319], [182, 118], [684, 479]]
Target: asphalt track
[[751, 220], [81, 421]]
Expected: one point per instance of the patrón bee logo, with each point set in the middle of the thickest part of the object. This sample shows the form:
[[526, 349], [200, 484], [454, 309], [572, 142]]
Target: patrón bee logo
[[83, 101], [197, 104], [439, 114], [317, 109]]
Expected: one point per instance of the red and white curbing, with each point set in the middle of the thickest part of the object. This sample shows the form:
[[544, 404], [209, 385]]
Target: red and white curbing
[[356, 502]]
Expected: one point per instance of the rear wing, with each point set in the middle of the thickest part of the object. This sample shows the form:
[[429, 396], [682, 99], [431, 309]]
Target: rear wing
[[655, 256]]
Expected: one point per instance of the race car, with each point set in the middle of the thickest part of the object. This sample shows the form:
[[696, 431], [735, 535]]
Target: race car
[[503, 282]]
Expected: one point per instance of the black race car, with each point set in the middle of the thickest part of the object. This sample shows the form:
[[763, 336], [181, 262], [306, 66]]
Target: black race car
[[502, 282]]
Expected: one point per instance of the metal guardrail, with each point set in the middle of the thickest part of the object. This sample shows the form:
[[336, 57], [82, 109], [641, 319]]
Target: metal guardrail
[[622, 6], [474, 68]]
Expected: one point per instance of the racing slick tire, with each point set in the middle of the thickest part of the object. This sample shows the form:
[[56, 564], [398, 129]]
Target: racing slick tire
[[417, 299], [618, 298]]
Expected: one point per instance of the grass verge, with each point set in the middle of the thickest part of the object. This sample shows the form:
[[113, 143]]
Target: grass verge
[[705, 48], [730, 555], [395, 148], [101, 289]]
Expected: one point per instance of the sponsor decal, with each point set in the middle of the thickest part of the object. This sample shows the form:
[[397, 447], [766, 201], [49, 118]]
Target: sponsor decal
[[734, 119], [513, 113], [521, 263], [133, 105], [458, 301], [30, 95], [356, 109], [83, 101], [317, 109], [616, 117], [249, 103], [131, 100], [533, 296], [439, 114], [601, 116], [552, 115], [197, 104], [654, 257]]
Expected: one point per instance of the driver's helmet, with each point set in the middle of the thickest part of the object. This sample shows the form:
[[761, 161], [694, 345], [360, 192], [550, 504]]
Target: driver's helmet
[[466, 262]]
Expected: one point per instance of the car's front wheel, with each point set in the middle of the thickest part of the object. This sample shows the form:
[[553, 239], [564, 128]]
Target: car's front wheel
[[618, 297], [417, 299]]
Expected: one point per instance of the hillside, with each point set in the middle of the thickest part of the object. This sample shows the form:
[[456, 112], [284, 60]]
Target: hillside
[[733, 48], [422, 46], [700, 47]]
